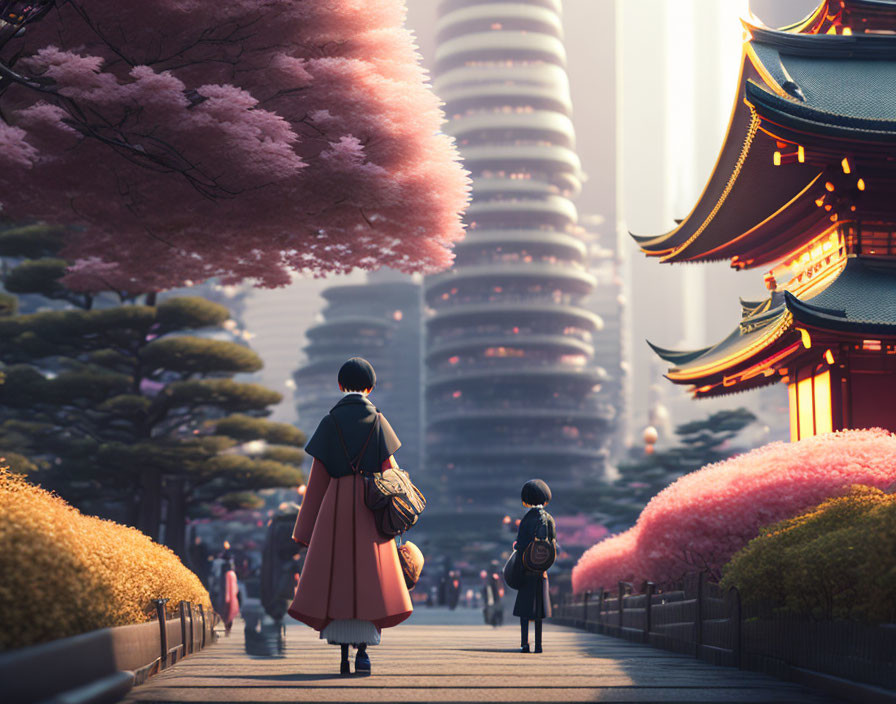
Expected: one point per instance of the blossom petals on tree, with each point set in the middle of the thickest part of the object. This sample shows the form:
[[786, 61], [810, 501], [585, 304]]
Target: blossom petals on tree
[[15, 151], [187, 140]]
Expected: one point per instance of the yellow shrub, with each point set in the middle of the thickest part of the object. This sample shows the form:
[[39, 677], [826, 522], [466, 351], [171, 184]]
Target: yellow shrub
[[64, 573], [837, 560]]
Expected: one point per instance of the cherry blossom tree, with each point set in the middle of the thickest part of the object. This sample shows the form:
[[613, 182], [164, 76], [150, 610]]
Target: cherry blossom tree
[[180, 141]]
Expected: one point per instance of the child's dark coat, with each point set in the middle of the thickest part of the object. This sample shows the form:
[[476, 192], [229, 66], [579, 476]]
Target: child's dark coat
[[533, 600]]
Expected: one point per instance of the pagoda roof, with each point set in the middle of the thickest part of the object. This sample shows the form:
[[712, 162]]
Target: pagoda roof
[[860, 301], [835, 95]]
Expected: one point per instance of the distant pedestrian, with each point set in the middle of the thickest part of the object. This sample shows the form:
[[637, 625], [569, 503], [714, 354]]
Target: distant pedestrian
[[492, 593], [352, 584], [231, 596], [538, 530], [453, 589]]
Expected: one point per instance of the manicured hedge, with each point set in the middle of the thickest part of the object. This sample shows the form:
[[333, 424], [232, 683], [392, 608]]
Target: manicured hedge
[[837, 560], [64, 573], [700, 521]]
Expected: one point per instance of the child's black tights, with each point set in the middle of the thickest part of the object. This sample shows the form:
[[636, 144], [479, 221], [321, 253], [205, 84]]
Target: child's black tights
[[524, 632]]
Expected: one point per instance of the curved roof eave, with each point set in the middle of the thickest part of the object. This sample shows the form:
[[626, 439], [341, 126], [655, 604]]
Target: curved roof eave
[[862, 299], [809, 120], [800, 212], [738, 126], [677, 356], [744, 148], [737, 349]]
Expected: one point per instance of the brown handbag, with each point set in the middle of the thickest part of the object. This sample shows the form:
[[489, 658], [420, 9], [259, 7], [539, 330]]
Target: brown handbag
[[391, 495], [411, 560], [540, 554]]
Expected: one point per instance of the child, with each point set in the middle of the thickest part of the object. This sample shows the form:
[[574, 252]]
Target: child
[[532, 599]]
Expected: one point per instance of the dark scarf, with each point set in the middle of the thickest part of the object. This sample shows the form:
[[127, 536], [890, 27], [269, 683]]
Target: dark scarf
[[355, 415]]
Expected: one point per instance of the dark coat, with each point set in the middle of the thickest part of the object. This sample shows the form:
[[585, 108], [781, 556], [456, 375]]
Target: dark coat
[[532, 599], [355, 415], [351, 571]]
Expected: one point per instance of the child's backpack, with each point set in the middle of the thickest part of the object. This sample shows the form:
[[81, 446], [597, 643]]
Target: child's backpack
[[540, 554]]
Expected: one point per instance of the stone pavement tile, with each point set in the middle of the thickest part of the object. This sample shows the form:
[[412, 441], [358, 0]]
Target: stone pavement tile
[[432, 661]]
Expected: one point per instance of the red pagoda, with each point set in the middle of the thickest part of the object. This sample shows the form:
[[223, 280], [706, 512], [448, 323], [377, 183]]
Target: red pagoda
[[805, 187]]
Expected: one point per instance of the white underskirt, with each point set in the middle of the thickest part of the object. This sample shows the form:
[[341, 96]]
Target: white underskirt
[[351, 631]]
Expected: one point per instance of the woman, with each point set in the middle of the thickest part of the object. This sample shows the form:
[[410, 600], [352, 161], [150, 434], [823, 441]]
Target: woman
[[532, 600], [352, 585], [231, 592]]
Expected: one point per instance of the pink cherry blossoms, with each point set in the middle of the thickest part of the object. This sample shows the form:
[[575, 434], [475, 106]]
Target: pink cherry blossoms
[[239, 139], [702, 519]]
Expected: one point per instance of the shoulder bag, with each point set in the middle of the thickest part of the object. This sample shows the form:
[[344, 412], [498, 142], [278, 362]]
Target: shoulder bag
[[391, 495], [540, 554]]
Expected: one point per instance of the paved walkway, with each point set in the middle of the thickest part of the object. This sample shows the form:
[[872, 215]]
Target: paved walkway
[[442, 656]]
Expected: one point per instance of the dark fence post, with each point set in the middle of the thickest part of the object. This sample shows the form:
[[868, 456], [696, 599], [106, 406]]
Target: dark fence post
[[190, 609], [202, 617], [600, 609], [183, 627], [735, 619], [621, 587], [163, 630], [649, 588], [585, 598], [698, 625]]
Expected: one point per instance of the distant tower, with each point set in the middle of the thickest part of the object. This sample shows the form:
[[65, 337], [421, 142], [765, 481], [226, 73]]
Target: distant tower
[[510, 385], [611, 346], [380, 321]]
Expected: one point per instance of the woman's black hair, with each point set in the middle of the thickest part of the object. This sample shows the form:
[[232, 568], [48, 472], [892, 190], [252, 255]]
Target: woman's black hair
[[535, 492], [357, 375]]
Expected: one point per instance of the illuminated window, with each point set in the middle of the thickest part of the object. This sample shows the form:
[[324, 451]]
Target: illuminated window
[[804, 404], [811, 409], [824, 422], [504, 352]]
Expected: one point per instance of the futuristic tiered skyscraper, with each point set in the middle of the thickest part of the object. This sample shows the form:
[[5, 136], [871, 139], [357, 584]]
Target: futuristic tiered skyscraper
[[511, 391], [380, 321]]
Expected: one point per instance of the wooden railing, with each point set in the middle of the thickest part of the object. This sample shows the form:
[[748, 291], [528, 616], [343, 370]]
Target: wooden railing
[[103, 665], [700, 619]]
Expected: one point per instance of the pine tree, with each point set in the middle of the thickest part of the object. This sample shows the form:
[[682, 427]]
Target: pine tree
[[122, 408], [700, 443]]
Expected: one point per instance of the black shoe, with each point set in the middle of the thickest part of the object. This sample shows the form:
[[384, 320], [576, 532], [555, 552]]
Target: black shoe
[[344, 668], [525, 648], [538, 648], [362, 663]]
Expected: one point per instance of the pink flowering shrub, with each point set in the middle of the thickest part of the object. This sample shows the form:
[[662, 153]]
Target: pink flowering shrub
[[610, 561], [702, 519]]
